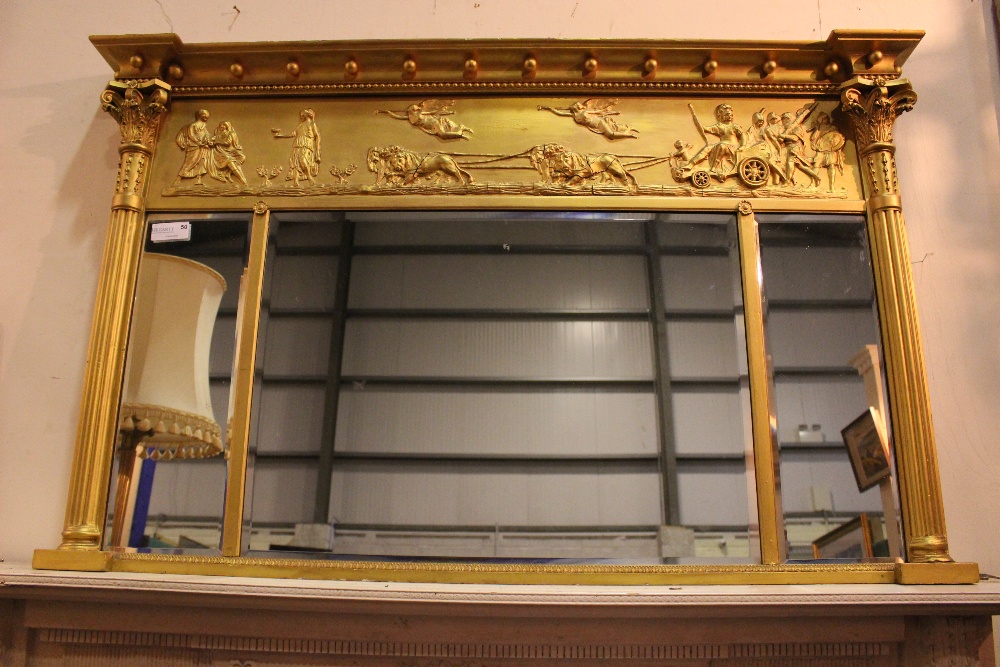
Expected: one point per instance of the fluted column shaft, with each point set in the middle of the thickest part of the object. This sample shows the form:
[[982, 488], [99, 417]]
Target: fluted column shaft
[[138, 107], [872, 107]]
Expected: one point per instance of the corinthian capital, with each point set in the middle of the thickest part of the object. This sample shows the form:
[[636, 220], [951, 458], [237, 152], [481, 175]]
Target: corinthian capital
[[872, 106], [137, 106]]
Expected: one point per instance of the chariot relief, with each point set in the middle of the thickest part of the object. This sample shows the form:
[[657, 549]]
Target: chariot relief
[[773, 149]]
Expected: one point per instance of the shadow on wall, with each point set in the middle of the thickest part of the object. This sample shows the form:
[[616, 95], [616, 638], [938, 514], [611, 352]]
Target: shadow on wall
[[56, 213], [949, 163]]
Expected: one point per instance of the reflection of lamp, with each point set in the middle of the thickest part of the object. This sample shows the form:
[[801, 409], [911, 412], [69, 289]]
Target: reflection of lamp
[[166, 408]]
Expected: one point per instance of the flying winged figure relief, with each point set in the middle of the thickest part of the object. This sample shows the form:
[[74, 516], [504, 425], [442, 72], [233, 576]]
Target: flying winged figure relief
[[430, 116], [596, 115]]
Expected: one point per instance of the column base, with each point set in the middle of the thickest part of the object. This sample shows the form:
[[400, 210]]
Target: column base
[[937, 573], [68, 559]]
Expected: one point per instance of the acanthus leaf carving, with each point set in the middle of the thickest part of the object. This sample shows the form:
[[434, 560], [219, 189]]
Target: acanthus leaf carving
[[137, 106], [872, 106]]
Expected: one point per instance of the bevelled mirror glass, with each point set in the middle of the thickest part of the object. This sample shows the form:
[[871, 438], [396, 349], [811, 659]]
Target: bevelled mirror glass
[[502, 386], [836, 467], [169, 475]]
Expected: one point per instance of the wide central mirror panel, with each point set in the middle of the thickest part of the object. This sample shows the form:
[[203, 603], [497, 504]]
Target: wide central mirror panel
[[501, 386]]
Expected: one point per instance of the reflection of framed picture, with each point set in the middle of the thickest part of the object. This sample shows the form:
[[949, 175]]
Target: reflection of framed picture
[[867, 449], [850, 540]]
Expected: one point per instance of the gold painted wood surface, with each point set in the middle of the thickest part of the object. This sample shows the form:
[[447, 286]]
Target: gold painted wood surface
[[510, 124], [513, 151], [762, 400], [138, 107], [872, 105], [522, 65], [246, 355], [482, 573]]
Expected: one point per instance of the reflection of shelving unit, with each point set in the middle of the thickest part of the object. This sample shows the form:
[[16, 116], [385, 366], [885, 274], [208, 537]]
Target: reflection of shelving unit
[[659, 478], [683, 384], [821, 311]]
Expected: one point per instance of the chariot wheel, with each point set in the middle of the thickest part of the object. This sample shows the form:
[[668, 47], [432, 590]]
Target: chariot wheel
[[701, 179], [753, 172]]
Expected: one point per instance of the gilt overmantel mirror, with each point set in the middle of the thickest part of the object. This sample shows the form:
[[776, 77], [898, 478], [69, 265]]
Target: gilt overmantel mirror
[[510, 311]]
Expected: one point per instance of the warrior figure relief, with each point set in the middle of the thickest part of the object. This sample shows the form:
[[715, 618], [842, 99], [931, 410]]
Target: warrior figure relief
[[429, 116], [597, 116], [793, 138], [305, 158], [721, 155], [759, 134], [829, 146], [771, 134]]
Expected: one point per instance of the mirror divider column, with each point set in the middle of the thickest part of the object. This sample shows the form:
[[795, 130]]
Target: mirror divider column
[[773, 547], [244, 375]]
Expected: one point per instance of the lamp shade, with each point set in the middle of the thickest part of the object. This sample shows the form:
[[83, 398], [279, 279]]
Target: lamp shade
[[166, 392]]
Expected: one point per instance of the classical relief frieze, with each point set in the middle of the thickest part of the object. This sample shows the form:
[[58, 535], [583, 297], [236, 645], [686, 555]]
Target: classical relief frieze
[[772, 149], [218, 156], [306, 150], [780, 153], [598, 116], [431, 117]]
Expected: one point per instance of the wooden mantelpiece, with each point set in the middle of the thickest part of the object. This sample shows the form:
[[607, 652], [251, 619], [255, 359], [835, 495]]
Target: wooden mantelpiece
[[119, 619]]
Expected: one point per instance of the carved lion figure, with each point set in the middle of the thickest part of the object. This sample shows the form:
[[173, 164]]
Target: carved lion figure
[[562, 166], [394, 165]]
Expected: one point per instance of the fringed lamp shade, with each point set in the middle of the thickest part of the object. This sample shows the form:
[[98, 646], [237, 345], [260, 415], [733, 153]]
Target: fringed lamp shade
[[166, 399]]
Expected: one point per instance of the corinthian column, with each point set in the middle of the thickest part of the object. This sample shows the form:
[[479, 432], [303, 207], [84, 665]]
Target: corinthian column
[[138, 107], [872, 107]]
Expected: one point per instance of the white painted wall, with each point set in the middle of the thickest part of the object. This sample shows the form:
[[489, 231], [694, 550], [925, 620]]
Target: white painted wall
[[58, 156]]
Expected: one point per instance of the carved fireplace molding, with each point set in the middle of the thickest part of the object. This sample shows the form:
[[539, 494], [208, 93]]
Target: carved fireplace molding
[[110, 619]]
